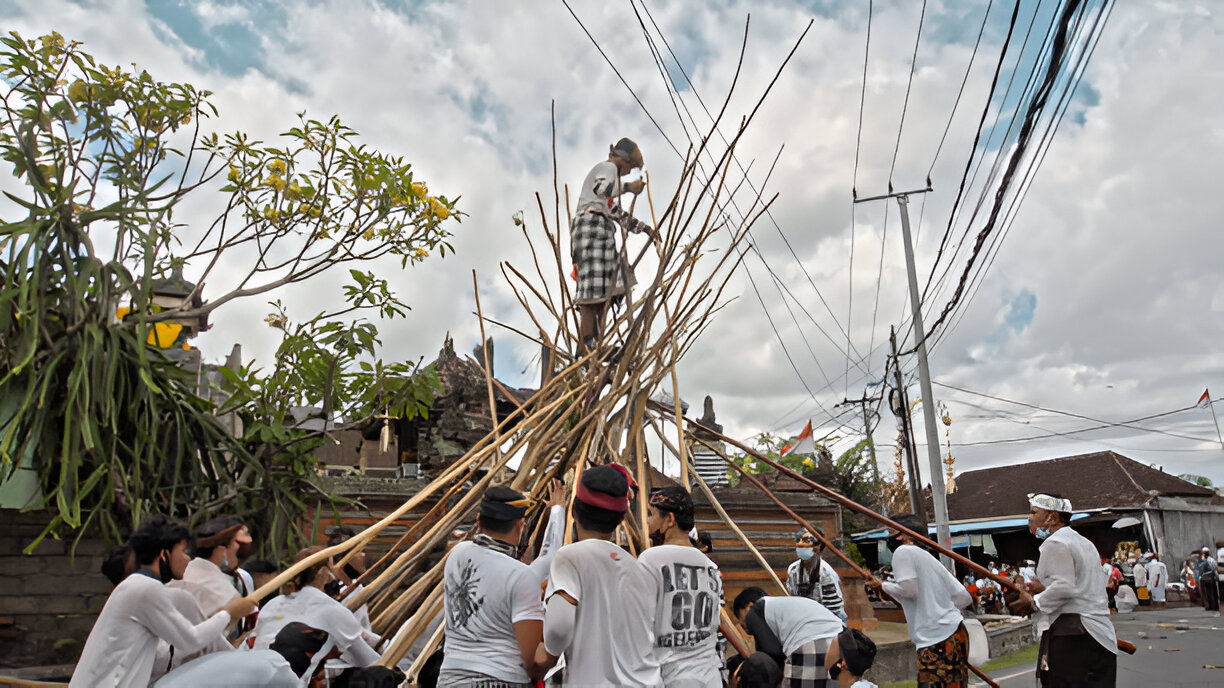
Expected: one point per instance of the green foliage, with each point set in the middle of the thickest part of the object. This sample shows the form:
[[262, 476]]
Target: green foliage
[[103, 158]]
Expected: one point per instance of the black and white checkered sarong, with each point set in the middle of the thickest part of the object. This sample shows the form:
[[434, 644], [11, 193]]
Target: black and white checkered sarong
[[593, 248], [805, 667]]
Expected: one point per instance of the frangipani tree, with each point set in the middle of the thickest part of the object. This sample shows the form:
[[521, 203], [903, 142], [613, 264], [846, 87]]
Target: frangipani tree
[[106, 162]]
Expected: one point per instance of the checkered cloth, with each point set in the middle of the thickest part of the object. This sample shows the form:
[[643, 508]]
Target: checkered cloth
[[593, 248], [805, 668], [594, 252]]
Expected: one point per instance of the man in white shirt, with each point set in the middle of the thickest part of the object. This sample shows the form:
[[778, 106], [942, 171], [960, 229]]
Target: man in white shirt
[[689, 594], [932, 599], [808, 641], [600, 601], [593, 232], [494, 615], [1158, 577], [812, 576], [282, 666], [1029, 571], [122, 645], [212, 576], [1071, 611], [311, 606]]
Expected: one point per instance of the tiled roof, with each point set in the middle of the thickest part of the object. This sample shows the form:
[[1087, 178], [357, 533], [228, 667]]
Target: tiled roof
[[1091, 481]]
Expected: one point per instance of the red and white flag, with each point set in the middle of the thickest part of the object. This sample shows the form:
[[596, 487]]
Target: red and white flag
[[804, 444], [1205, 399]]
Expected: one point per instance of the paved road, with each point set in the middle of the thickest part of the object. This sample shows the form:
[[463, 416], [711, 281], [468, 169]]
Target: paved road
[[1174, 645]]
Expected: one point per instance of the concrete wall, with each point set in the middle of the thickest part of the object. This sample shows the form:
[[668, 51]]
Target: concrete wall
[[48, 599], [1181, 528]]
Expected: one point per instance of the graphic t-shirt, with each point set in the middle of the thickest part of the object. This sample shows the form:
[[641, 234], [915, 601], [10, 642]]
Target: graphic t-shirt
[[686, 615], [487, 593], [613, 640]]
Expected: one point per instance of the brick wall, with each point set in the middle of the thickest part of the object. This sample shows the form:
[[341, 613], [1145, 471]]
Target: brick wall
[[48, 599]]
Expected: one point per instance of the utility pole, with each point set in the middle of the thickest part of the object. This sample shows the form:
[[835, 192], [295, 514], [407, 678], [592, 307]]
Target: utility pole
[[901, 409], [939, 494], [875, 468]]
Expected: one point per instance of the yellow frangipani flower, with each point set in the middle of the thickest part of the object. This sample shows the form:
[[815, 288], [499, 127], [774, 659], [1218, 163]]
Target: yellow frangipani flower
[[420, 189], [277, 167], [234, 175], [420, 253], [437, 209], [275, 182], [369, 234]]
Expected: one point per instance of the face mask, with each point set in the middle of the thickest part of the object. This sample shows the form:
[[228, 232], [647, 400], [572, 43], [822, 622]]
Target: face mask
[[805, 553], [1042, 533], [225, 563], [894, 542], [656, 538], [835, 671]]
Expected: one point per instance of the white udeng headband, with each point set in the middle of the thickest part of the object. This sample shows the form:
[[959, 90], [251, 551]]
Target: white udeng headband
[[1045, 501]]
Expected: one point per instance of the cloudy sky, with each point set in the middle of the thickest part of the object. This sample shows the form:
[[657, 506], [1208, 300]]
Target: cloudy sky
[[1102, 302]]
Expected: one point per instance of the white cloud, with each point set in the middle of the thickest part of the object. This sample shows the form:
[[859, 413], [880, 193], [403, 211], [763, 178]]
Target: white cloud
[[1116, 239]]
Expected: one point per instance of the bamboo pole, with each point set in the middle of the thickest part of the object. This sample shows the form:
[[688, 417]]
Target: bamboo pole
[[790, 512]]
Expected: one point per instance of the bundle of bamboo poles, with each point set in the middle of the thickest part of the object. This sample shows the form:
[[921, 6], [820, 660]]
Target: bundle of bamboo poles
[[592, 410]]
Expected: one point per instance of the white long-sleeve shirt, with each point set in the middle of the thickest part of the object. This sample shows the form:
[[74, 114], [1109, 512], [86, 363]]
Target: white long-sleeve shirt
[[123, 643], [930, 596], [1070, 570], [314, 608]]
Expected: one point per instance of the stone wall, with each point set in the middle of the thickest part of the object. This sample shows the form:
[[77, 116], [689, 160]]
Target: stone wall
[[48, 599]]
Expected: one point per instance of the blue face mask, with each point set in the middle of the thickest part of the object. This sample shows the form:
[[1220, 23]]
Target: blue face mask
[[805, 553], [1042, 533]]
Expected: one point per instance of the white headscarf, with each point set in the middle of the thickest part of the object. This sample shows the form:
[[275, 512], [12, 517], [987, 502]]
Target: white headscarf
[[1045, 501]]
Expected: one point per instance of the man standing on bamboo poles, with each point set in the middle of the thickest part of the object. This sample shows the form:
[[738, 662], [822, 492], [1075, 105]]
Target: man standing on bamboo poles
[[689, 594], [1068, 601], [600, 601], [593, 237], [932, 599], [494, 614]]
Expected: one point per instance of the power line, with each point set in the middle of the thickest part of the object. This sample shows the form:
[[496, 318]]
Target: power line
[[781, 284], [1070, 414], [858, 146], [1031, 117], [905, 104], [1102, 426], [1043, 148], [622, 78], [959, 93]]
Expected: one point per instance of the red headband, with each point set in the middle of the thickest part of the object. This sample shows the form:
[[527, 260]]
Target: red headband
[[604, 500]]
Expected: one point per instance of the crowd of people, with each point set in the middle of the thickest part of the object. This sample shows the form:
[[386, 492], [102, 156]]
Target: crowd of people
[[587, 613]]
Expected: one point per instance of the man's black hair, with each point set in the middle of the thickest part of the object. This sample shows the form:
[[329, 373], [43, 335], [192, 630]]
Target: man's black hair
[[857, 650], [260, 566], [674, 499], [911, 521], [597, 519], [210, 528], [298, 644], [746, 597], [114, 566], [609, 481], [759, 670], [335, 535], [704, 541], [156, 535]]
